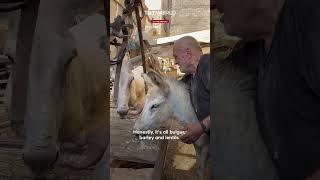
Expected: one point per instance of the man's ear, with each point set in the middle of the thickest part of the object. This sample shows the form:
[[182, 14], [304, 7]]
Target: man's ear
[[158, 81]]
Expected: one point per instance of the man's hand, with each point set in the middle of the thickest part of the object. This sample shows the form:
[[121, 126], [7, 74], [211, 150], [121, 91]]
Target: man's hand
[[314, 176], [193, 133]]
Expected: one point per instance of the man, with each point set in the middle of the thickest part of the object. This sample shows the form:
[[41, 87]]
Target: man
[[188, 55], [238, 151], [288, 90]]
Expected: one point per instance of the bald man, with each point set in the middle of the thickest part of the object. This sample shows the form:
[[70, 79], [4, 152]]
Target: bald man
[[188, 55]]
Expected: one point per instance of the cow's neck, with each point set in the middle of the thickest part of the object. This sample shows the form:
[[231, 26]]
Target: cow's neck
[[180, 102]]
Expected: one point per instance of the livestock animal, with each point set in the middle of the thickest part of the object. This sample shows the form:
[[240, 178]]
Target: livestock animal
[[131, 86]]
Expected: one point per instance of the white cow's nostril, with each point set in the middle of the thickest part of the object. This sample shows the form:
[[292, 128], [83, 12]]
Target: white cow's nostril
[[122, 112]]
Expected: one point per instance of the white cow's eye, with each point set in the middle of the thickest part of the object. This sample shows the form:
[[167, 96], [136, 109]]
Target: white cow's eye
[[154, 106]]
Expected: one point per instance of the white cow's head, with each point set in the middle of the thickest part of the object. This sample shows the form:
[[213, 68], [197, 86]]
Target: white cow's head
[[125, 80], [156, 111]]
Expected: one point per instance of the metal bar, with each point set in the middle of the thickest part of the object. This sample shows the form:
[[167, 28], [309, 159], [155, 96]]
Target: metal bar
[[140, 36]]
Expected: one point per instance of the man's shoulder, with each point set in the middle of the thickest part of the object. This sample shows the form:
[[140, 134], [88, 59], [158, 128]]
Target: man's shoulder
[[205, 59], [240, 68], [205, 56], [204, 63]]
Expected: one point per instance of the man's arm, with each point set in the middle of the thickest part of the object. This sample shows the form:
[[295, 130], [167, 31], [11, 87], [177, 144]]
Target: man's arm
[[206, 122], [194, 131]]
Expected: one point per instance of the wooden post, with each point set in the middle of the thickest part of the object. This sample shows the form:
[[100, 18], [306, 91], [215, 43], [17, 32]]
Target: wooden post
[[159, 165], [20, 70], [140, 35], [120, 56]]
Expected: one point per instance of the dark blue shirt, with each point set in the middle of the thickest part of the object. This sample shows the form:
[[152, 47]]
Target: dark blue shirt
[[200, 88]]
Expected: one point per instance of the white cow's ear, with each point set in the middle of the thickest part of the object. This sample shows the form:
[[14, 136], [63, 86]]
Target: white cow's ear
[[158, 81], [147, 81]]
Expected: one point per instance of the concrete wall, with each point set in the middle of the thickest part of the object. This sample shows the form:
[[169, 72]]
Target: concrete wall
[[191, 15], [153, 30]]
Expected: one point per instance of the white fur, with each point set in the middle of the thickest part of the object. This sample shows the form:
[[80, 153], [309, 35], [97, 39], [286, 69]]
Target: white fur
[[131, 85], [176, 104]]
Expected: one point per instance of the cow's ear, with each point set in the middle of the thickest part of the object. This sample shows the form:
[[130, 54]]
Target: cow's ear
[[147, 81], [158, 81]]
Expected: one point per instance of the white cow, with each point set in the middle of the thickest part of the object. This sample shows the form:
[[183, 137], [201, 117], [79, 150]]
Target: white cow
[[169, 98]]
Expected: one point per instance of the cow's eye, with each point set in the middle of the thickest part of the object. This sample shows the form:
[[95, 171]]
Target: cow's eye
[[155, 106]]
